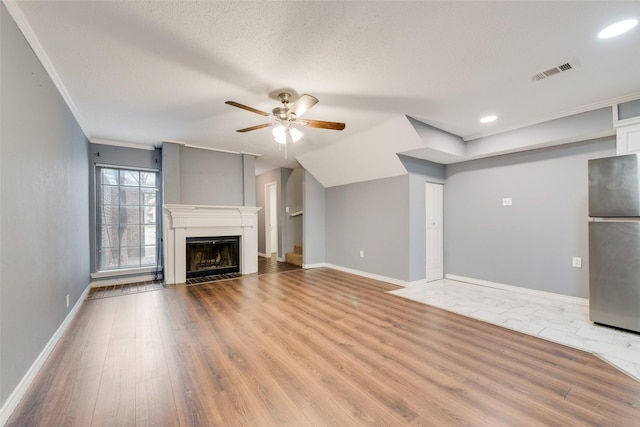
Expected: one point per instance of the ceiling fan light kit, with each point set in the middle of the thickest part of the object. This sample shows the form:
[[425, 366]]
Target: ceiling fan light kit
[[285, 117], [284, 135]]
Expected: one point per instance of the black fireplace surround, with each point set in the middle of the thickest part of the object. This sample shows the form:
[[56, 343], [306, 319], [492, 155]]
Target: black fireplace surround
[[209, 256]]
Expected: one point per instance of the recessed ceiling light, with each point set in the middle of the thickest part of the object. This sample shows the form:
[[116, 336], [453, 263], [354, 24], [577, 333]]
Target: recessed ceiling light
[[488, 119], [617, 28]]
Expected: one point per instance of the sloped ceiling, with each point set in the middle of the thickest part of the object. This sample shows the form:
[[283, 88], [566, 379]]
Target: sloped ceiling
[[144, 72]]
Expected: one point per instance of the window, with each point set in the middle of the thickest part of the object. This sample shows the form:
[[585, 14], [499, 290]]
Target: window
[[126, 218]]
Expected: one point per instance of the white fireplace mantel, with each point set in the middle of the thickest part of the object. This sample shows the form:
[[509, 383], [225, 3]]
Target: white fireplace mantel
[[183, 221]]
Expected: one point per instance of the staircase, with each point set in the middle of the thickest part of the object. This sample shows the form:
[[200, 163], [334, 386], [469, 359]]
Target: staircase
[[294, 257]]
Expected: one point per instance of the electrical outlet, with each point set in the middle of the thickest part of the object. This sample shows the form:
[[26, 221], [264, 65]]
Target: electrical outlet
[[361, 254], [507, 201], [67, 300], [577, 262]]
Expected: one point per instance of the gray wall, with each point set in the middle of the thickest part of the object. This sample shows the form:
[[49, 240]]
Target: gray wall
[[194, 176], [629, 109], [210, 178], [314, 201], [171, 173], [44, 223], [385, 218], [117, 156], [372, 216], [529, 244]]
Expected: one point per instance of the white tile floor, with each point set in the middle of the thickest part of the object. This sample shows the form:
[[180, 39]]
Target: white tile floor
[[562, 322]]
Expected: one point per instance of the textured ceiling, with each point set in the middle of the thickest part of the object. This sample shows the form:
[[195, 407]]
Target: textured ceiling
[[147, 71]]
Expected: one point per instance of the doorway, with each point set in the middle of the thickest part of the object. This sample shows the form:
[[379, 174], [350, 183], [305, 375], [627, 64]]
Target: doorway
[[271, 218], [434, 208]]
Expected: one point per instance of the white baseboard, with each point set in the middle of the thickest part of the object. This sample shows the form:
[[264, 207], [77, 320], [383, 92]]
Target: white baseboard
[[263, 255], [373, 276], [317, 265], [528, 291], [18, 393]]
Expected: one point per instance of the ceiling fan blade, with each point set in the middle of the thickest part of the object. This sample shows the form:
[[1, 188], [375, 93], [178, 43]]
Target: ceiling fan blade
[[245, 107], [264, 125], [321, 124], [303, 104]]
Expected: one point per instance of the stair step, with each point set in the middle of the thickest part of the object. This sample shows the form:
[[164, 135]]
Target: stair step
[[293, 258], [297, 249]]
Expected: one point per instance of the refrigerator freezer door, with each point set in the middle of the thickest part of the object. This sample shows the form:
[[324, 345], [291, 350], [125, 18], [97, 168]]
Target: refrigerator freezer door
[[614, 274], [614, 186]]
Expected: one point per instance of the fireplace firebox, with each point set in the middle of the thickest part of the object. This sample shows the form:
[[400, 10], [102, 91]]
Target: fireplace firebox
[[209, 256]]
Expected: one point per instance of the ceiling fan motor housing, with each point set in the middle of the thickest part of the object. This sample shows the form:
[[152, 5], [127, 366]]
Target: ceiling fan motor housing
[[280, 113]]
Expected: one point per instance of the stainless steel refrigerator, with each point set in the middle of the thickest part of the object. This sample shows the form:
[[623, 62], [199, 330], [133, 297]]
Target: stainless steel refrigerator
[[614, 241]]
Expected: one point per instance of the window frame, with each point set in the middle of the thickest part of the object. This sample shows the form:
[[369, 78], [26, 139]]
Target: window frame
[[98, 221]]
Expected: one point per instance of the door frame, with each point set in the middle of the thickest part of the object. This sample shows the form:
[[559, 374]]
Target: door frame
[[268, 209], [429, 266]]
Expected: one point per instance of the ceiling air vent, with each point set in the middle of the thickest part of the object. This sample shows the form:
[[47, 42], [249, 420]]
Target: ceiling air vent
[[551, 72]]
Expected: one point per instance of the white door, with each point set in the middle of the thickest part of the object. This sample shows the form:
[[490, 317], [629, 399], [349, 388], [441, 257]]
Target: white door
[[434, 197], [271, 218]]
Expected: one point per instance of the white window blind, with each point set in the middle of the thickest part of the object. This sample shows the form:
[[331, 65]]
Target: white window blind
[[126, 218]]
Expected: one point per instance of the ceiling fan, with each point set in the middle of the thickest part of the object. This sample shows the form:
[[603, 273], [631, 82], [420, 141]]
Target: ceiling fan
[[286, 116]]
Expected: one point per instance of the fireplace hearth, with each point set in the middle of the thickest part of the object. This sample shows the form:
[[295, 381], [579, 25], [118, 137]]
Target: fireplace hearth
[[208, 256]]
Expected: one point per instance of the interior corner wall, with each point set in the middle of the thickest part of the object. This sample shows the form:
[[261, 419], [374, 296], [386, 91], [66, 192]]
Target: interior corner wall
[[373, 217], [531, 243], [314, 204], [44, 222]]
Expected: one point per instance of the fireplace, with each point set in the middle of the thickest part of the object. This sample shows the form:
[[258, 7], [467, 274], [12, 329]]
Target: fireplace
[[182, 222], [208, 256]]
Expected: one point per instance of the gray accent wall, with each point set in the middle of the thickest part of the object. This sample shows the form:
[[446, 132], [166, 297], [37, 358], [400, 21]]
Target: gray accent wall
[[197, 176], [210, 178], [314, 204], [44, 222], [531, 243]]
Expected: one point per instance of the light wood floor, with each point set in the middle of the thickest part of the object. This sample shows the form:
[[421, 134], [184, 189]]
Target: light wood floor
[[312, 348]]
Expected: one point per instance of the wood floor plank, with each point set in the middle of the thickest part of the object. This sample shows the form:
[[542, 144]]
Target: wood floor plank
[[312, 348]]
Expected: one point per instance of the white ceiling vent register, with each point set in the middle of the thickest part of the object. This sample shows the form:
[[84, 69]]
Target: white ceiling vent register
[[553, 71]]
